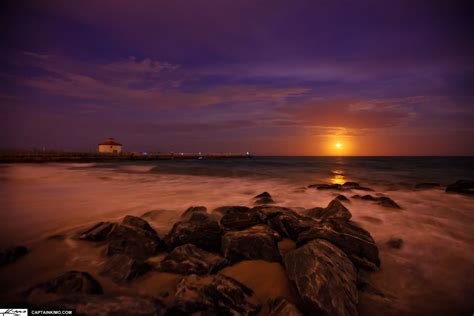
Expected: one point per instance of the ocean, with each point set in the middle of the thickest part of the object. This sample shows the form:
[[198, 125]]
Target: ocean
[[433, 272]]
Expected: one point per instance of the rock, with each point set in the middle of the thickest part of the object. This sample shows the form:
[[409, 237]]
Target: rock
[[347, 186], [355, 241], [426, 185], [350, 185], [281, 307], [195, 213], [382, 200], [11, 254], [387, 202], [395, 243], [123, 268], [266, 211], [190, 259], [343, 198], [335, 209], [205, 234], [72, 282], [254, 243], [239, 217], [324, 278], [264, 201], [97, 232], [108, 305], [462, 187], [263, 198], [335, 186], [213, 295], [138, 240], [263, 195], [138, 222], [285, 221], [367, 197]]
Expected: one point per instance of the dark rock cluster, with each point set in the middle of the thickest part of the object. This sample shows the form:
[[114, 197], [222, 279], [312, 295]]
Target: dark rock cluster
[[347, 186], [379, 200], [323, 269], [461, 187]]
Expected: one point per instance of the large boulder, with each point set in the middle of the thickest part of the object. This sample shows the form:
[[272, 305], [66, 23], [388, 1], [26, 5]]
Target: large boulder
[[97, 232], [281, 307], [195, 213], [11, 254], [122, 268], [355, 241], [205, 234], [72, 282], [255, 243], [324, 279], [285, 221], [238, 217], [190, 259], [133, 237], [462, 187], [109, 305], [335, 209], [138, 223], [213, 295]]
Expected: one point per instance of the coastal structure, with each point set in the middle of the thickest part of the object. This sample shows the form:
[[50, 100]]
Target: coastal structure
[[110, 146]]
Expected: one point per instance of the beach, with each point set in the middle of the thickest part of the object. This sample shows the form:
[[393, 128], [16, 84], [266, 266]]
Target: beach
[[44, 205]]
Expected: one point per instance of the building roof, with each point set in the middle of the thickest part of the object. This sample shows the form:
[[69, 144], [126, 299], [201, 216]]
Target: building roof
[[110, 141]]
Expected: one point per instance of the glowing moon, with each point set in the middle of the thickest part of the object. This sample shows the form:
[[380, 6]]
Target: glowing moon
[[338, 145]]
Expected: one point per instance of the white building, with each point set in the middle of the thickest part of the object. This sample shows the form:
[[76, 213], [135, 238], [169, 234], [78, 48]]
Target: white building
[[110, 146]]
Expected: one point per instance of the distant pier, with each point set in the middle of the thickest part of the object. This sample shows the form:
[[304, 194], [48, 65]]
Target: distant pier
[[78, 157]]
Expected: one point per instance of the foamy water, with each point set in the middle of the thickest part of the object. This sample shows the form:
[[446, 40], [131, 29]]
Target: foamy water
[[432, 273]]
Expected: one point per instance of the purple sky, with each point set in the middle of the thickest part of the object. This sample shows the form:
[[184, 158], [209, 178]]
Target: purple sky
[[270, 77]]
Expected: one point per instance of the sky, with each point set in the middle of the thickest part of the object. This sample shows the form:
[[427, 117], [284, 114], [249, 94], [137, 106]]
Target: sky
[[270, 77]]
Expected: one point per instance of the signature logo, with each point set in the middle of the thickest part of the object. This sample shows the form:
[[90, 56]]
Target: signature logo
[[13, 312]]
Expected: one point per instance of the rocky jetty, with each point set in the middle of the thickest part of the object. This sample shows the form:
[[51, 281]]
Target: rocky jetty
[[323, 269]]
